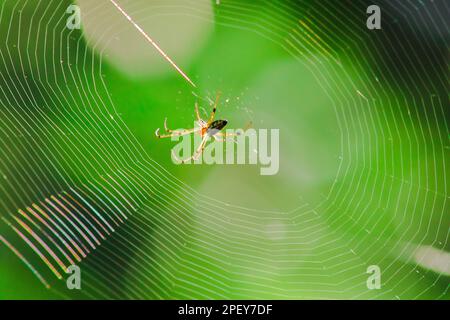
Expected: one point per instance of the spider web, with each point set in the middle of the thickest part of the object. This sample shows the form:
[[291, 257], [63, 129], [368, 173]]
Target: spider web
[[77, 186]]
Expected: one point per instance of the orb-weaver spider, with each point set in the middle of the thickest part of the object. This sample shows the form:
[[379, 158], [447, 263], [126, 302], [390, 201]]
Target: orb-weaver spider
[[206, 129]]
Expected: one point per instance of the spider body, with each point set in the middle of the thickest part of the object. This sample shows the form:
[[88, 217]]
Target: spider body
[[214, 127], [206, 129]]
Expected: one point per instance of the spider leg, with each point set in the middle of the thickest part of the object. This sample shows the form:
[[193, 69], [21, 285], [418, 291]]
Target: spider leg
[[165, 125], [197, 114], [201, 148], [213, 113], [167, 129], [248, 126], [197, 153], [175, 133], [222, 138], [227, 134]]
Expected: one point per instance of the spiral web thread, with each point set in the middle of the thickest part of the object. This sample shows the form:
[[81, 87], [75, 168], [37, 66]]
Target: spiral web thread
[[78, 188]]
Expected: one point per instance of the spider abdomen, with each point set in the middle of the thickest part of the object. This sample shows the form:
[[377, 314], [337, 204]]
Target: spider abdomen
[[215, 127]]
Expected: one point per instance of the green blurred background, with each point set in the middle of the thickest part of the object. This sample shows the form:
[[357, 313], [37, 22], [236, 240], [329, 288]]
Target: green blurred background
[[364, 146]]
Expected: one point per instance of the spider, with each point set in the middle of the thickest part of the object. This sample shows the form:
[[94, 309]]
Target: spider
[[206, 129]]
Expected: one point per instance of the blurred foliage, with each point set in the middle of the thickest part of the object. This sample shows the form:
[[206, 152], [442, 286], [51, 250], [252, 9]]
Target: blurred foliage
[[340, 107]]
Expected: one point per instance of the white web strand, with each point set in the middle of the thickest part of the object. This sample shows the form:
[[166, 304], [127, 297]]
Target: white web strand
[[153, 43], [182, 244]]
